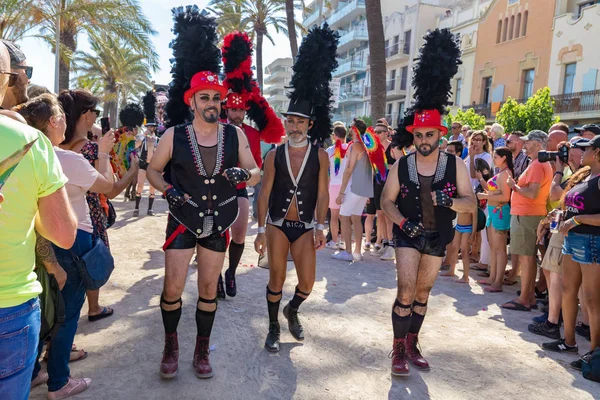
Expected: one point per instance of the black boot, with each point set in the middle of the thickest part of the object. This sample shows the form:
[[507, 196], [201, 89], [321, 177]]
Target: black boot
[[230, 285], [294, 325], [272, 341], [150, 204], [220, 289]]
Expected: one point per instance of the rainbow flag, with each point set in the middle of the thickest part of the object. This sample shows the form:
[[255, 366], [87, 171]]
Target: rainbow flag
[[375, 152], [8, 165], [122, 150], [338, 154]]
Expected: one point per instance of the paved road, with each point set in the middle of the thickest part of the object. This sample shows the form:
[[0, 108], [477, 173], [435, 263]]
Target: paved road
[[476, 349]]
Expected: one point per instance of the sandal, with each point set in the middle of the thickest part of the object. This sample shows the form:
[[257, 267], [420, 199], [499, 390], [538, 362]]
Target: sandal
[[509, 282], [106, 312], [76, 354], [492, 290], [483, 282], [477, 267], [515, 305], [484, 274]]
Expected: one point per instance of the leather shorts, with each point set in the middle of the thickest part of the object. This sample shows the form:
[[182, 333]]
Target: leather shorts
[[428, 243], [243, 192], [186, 240]]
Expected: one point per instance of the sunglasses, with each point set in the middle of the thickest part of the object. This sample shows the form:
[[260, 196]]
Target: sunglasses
[[28, 70], [95, 111], [13, 76]]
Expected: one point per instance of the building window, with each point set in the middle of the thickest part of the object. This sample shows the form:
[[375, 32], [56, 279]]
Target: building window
[[395, 47], [406, 47], [390, 107], [400, 111], [518, 26], [569, 78], [505, 30], [392, 82], [528, 77], [499, 32], [403, 78], [387, 48], [525, 15], [458, 90], [486, 93], [511, 28]]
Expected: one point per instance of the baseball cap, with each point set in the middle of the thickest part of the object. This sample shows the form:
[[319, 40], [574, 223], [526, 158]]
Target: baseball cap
[[578, 140], [536, 135], [16, 55], [589, 127], [594, 142]]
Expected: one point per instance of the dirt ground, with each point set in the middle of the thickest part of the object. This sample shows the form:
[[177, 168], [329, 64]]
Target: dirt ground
[[476, 349]]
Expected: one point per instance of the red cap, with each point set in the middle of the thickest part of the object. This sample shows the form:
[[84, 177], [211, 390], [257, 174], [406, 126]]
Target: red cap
[[201, 81], [428, 119], [236, 100]]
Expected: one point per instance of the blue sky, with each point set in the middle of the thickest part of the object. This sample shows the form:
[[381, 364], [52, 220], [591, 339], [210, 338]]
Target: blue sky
[[159, 13]]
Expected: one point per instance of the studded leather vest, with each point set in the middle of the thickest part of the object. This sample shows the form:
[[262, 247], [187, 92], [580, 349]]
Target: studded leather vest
[[409, 203], [213, 205], [285, 186]]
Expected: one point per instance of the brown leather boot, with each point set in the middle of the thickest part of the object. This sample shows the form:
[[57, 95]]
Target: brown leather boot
[[169, 364], [399, 363], [202, 367], [413, 352]]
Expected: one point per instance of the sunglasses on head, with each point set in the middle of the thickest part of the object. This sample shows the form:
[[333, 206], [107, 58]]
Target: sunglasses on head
[[13, 76], [28, 70]]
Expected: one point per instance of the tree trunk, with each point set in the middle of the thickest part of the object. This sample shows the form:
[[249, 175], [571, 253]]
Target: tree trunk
[[67, 40], [259, 60], [291, 24], [377, 54]]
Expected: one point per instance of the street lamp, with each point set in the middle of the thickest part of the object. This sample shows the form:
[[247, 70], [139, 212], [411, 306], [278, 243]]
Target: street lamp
[[118, 86]]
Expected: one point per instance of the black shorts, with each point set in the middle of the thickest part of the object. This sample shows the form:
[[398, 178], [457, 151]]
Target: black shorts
[[186, 240], [377, 192], [143, 165], [242, 192], [371, 210], [428, 243]]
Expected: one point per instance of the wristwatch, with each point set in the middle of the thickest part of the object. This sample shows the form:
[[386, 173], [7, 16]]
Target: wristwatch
[[261, 229], [320, 227]]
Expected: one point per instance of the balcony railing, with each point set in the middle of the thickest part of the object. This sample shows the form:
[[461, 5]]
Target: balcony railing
[[308, 21], [397, 48], [351, 93], [359, 33], [577, 102], [344, 10], [481, 109], [349, 66]]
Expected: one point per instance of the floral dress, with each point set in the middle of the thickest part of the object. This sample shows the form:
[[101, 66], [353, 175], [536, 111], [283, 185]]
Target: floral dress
[[97, 214]]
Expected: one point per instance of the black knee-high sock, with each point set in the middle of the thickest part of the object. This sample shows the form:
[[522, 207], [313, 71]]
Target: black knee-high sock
[[170, 318], [273, 306], [205, 319], [417, 317], [138, 197], [297, 300], [150, 202], [399, 323], [235, 255]]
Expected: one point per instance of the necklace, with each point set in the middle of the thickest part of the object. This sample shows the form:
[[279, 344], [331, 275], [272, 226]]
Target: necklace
[[298, 144]]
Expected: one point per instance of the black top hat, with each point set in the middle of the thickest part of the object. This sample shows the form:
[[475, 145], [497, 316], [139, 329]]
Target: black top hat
[[300, 108]]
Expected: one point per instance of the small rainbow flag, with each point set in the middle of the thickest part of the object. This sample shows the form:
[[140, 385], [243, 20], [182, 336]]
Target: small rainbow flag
[[338, 154], [375, 152]]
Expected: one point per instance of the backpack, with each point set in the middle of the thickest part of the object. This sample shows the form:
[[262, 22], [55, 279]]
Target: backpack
[[590, 368], [52, 305]]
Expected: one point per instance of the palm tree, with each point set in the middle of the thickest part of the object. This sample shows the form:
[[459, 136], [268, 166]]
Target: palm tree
[[290, 7], [18, 18], [377, 56], [229, 16], [113, 62]]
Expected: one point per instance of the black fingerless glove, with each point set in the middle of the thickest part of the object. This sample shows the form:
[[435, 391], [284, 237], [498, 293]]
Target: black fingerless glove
[[442, 199], [411, 228], [174, 197], [237, 175]]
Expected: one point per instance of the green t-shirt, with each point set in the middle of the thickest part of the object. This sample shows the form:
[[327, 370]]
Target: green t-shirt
[[39, 174]]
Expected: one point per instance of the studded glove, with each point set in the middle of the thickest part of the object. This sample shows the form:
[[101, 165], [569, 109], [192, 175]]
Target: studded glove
[[442, 199], [174, 197], [411, 228], [237, 175]]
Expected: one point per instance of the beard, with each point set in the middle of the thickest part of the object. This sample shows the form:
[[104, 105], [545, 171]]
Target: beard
[[425, 149], [20, 92], [237, 121], [210, 115]]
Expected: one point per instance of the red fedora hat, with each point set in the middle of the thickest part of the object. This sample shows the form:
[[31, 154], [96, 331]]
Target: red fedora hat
[[236, 100], [428, 119], [204, 80]]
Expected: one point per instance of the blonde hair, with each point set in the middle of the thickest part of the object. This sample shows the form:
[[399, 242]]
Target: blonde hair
[[38, 111]]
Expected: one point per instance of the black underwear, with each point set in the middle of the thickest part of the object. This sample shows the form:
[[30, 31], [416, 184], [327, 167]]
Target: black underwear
[[293, 229]]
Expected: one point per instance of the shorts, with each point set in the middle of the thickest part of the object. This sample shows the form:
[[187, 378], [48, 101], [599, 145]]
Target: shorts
[[371, 209], [334, 191], [583, 248], [428, 243], [243, 192], [464, 228], [353, 204], [498, 217], [377, 192], [186, 240], [143, 165], [523, 235]]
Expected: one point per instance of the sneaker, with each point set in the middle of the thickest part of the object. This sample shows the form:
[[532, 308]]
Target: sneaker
[[577, 364], [583, 330], [560, 346], [41, 378], [151, 213], [170, 360], [202, 367], [220, 288], [379, 252], [331, 245], [398, 355], [294, 325], [540, 319], [272, 341], [389, 254], [544, 329], [357, 257], [367, 246], [341, 245], [74, 386], [342, 256], [376, 247], [136, 212], [230, 285]]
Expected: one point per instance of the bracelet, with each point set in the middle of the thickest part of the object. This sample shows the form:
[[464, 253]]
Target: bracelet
[[320, 227], [261, 229], [575, 221], [103, 155], [559, 173]]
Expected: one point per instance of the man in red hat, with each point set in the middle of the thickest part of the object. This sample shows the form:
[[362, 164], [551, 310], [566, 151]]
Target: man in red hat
[[201, 191], [236, 106], [422, 195]]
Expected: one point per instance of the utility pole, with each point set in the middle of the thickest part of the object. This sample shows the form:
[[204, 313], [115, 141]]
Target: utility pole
[[57, 51]]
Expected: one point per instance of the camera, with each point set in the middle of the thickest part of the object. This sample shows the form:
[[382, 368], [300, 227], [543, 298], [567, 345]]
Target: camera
[[562, 154]]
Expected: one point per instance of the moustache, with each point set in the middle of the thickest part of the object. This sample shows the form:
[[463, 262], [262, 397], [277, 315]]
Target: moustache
[[210, 109]]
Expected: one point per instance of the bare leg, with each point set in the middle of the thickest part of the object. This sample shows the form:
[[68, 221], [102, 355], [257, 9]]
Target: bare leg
[[452, 255], [278, 248], [491, 236], [407, 268], [570, 287], [584, 311], [334, 224], [209, 269], [591, 297], [529, 270], [347, 233], [499, 251], [176, 269], [304, 255], [382, 231], [554, 296], [515, 268], [358, 233], [464, 246], [389, 227], [368, 229], [94, 307]]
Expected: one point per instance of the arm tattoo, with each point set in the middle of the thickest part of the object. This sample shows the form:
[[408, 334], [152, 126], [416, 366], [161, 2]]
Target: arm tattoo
[[44, 250]]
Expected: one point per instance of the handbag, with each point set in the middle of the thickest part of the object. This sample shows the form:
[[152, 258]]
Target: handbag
[[111, 217], [95, 266]]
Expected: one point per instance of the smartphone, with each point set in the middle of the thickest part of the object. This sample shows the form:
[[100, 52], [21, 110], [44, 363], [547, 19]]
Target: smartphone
[[105, 124]]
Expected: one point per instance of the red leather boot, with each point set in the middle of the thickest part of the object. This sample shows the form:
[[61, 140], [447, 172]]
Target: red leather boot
[[202, 367], [413, 352], [399, 363], [170, 360]]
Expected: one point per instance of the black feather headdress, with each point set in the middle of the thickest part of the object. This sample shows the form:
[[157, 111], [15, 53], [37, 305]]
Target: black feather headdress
[[194, 50], [437, 63], [132, 115], [313, 68], [149, 102]]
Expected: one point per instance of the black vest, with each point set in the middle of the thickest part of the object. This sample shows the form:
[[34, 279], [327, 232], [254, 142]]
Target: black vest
[[211, 195], [409, 203], [306, 190]]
